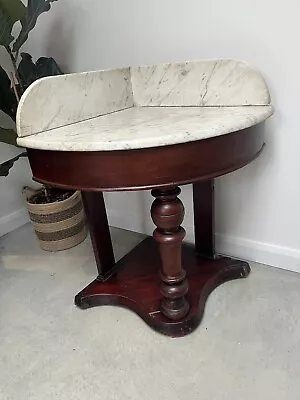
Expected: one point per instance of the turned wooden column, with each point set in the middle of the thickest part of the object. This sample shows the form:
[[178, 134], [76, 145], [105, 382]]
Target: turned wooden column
[[167, 212]]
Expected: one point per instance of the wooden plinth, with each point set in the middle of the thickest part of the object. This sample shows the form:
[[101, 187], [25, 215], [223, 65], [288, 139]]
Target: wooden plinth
[[166, 283], [137, 286]]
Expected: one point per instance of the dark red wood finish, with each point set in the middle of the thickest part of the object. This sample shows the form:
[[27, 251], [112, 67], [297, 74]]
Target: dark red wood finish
[[146, 168], [204, 218], [95, 212], [167, 212], [137, 286], [174, 307]]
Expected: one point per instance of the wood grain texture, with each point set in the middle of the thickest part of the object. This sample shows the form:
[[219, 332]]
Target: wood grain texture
[[147, 168], [139, 288], [167, 213], [175, 307], [95, 211]]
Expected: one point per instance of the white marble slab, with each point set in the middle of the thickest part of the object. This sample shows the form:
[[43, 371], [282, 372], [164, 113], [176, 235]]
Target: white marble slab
[[149, 106], [199, 83], [142, 127], [61, 100]]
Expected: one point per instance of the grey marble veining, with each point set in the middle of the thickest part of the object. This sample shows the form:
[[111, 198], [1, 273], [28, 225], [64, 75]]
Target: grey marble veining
[[199, 83], [62, 100], [139, 107], [142, 127]]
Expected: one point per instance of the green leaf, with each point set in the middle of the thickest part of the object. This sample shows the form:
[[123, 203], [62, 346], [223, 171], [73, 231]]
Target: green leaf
[[7, 165], [8, 101], [47, 67], [10, 12], [27, 70], [34, 9], [5, 30], [13, 9], [8, 136]]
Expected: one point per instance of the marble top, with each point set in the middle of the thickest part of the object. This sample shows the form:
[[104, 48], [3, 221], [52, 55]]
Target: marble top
[[137, 107], [142, 127]]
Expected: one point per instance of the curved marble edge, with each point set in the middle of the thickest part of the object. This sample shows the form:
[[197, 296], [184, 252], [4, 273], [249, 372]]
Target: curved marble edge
[[57, 101], [69, 139], [61, 100]]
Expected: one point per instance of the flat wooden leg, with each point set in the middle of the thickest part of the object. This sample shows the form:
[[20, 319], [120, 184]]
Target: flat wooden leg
[[204, 218], [99, 231], [167, 212]]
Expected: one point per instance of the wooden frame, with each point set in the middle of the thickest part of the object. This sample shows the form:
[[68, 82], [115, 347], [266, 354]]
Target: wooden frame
[[146, 168], [172, 301]]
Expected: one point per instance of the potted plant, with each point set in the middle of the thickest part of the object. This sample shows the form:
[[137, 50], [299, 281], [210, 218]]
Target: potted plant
[[57, 215]]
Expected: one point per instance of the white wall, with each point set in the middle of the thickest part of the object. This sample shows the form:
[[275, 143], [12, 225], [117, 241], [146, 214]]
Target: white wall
[[257, 207], [12, 211]]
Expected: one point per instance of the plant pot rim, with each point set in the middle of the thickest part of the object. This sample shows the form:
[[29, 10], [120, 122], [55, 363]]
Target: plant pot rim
[[74, 195]]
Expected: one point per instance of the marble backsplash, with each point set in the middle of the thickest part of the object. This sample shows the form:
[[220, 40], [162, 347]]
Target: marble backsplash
[[199, 83], [62, 100]]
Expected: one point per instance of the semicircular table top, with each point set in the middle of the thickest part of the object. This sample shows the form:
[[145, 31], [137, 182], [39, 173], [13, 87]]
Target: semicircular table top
[[142, 107]]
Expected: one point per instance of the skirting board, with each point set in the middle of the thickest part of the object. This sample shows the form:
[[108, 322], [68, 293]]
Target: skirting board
[[264, 253], [236, 247], [12, 221]]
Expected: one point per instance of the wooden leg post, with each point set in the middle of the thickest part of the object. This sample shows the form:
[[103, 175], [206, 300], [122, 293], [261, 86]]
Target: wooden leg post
[[204, 218], [135, 285], [99, 231], [167, 212]]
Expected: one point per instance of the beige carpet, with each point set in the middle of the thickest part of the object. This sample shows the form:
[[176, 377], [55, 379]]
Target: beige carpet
[[248, 346]]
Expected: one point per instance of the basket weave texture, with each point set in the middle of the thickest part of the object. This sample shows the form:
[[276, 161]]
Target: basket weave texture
[[61, 225]]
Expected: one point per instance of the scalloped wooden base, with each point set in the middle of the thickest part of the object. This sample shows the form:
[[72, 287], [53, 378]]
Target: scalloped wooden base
[[136, 286], [146, 281]]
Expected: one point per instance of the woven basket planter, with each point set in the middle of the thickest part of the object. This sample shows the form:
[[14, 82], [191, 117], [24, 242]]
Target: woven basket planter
[[60, 225]]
